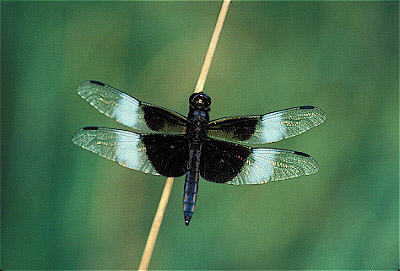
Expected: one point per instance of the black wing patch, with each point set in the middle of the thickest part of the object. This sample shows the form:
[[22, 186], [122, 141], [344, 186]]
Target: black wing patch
[[130, 111], [266, 128], [224, 162], [240, 129], [167, 153], [154, 154]]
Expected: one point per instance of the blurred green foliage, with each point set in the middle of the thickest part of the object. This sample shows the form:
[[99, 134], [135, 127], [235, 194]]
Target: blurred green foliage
[[65, 208]]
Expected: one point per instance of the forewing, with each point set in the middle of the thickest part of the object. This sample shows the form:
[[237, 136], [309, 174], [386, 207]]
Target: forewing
[[266, 128], [224, 162], [154, 154], [130, 111]]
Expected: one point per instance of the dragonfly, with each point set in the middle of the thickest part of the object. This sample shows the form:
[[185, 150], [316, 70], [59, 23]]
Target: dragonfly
[[224, 150]]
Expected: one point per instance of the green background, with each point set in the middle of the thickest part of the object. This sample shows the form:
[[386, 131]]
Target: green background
[[66, 208]]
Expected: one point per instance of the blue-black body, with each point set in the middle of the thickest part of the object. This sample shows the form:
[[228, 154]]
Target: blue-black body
[[196, 134]]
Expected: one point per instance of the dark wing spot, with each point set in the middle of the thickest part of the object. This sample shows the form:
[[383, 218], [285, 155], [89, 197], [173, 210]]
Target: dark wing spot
[[241, 128], [158, 118], [167, 153], [222, 161], [97, 83], [90, 128], [301, 153], [243, 133]]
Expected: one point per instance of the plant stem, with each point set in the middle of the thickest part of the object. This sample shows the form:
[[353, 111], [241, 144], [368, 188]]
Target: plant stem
[[155, 227], [211, 48]]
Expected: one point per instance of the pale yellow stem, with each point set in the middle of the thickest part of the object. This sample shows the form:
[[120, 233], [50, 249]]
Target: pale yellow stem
[[151, 240], [211, 48]]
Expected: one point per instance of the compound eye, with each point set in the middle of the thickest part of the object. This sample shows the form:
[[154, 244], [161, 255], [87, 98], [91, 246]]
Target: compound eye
[[200, 100], [206, 101]]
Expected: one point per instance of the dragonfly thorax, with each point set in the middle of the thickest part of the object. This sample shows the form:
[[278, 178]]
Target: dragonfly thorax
[[196, 130], [196, 127]]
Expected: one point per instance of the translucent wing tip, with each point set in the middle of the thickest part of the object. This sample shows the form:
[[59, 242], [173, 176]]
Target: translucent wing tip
[[78, 136], [313, 165], [83, 87], [319, 113], [90, 82], [310, 165]]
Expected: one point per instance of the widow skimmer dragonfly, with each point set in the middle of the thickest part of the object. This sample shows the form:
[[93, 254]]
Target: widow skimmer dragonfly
[[170, 144]]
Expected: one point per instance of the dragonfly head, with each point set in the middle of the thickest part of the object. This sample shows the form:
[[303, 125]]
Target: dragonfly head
[[200, 101]]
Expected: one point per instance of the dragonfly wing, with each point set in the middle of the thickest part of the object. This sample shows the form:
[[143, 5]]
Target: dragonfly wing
[[130, 111], [225, 162], [157, 154], [266, 128]]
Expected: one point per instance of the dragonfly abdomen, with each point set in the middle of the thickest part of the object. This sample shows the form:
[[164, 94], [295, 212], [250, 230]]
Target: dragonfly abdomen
[[191, 182]]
